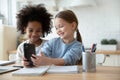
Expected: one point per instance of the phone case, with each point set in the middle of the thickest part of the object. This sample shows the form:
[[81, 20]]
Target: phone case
[[29, 49]]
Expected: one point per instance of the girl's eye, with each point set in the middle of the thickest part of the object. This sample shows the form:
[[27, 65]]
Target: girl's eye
[[30, 30], [56, 28], [60, 26], [39, 31]]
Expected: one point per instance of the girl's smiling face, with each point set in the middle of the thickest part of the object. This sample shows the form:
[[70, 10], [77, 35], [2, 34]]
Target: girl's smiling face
[[34, 31], [64, 29]]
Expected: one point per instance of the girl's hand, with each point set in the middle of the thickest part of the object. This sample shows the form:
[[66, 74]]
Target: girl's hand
[[39, 60], [25, 62]]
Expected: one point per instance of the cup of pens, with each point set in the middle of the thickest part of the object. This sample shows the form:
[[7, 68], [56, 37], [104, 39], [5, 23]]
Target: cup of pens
[[89, 60]]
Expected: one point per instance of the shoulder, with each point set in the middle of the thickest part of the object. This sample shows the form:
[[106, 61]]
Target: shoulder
[[21, 44], [44, 40], [20, 47], [54, 40], [76, 44], [75, 47]]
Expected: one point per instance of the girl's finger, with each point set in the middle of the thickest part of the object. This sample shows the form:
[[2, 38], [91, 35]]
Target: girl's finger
[[24, 59], [42, 54], [34, 55]]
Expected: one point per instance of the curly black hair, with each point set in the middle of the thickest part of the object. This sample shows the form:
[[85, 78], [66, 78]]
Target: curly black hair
[[34, 13]]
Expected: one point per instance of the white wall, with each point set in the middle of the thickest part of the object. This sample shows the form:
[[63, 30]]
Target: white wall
[[8, 9], [95, 23], [100, 21], [4, 9]]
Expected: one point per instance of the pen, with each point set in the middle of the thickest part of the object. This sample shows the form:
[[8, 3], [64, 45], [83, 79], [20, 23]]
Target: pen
[[93, 49], [83, 49], [18, 66]]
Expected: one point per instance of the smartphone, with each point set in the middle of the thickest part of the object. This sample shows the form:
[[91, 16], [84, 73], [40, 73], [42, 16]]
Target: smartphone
[[29, 49]]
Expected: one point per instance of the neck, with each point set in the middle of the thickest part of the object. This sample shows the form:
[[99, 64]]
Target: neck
[[67, 41], [37, 43]]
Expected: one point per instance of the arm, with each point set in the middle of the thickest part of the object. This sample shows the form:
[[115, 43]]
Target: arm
[[57, 61], [19, 54], [73, 55], [20, 60], [70, 55], [43, 60]]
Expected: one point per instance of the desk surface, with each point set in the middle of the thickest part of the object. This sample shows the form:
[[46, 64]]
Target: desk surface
[[98, 52], [107, 52], [102, 73]]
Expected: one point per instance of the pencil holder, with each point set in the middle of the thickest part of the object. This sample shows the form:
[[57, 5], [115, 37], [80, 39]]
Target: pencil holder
[[88, 61]]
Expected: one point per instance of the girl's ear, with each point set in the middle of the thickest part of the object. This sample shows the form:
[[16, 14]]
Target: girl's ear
[[74, 25]]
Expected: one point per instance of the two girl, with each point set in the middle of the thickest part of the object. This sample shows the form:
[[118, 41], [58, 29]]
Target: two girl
[[64, 50]]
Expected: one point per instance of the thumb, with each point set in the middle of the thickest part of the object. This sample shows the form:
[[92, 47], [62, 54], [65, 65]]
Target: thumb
[[42, 54]]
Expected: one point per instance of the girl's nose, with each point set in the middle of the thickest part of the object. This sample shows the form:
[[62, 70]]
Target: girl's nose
[[58, 30], [34, 33]]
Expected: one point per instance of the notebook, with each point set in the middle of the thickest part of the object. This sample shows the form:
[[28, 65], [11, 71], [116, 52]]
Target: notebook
[[64, 69], [35, 71], [2, 63], [4, 69]]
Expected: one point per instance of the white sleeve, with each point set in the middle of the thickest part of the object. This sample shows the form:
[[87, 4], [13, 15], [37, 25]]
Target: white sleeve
[[20, 53]]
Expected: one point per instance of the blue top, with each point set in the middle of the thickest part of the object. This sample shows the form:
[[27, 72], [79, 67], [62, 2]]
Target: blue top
[[56, 48]]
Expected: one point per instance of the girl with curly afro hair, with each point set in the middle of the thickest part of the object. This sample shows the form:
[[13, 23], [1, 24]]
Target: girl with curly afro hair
[[35, 22]]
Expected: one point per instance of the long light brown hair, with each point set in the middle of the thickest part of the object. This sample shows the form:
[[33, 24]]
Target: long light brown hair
[[70, 17]]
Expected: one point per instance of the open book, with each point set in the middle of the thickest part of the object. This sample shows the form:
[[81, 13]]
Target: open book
[[35, 71], [3, 63], [47, 69], [63, 69], [4, 69]]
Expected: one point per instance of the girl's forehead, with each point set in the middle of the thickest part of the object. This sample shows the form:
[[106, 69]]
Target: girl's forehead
[[34, 25], [34, 22], [60, 20]]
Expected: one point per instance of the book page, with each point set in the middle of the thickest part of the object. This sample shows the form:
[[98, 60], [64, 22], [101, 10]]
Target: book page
[[63, 69], [4, 69], [2, 63], [36, 71]]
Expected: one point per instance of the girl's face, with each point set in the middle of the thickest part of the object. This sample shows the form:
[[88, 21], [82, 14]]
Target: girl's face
[[34, 31], [64, 29]]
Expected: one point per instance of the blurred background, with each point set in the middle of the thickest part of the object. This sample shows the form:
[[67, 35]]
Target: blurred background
[[98, 20]]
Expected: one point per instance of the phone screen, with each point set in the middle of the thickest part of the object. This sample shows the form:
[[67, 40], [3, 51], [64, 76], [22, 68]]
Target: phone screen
[[29, 49]]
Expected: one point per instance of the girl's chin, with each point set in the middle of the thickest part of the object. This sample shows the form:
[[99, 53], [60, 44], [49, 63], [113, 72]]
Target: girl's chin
[[33, 41], [62, 37]]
